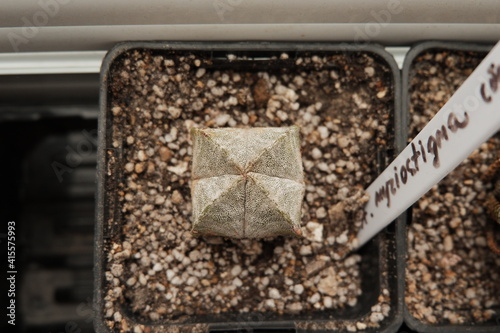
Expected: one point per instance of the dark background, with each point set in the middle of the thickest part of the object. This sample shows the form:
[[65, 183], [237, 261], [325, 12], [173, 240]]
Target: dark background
[[48, 127]]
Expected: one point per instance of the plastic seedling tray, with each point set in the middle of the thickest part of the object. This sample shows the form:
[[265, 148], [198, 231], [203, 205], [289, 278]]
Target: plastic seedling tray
[[123, 301], [438, 68]]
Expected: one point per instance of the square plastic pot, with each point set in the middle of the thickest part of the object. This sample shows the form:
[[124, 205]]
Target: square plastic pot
[[411, 62], [382, 258]]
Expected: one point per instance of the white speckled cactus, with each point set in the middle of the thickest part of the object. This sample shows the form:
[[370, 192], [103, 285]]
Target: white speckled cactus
[[247, 183]]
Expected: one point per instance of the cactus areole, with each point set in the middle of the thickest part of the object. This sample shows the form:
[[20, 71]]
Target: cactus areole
[[247, 183]]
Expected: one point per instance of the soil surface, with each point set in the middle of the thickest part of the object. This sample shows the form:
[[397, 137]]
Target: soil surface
[[452, 276], [158, 271]]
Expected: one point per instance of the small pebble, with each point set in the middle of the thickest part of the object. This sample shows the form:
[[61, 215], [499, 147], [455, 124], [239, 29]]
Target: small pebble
[[323, 132], [117, 270], [191, 281], [269, 303], [314, 298], [361, 326], [328, 302], [305, 250], [328, 285], [176, 281], [298, 289], [376, 317], [159, 200], [315, 231], [236, 270], [321, 212], [200, 72], [237, 282], [117, 316], [222, 119], [176, 197], [316, 153], [295, 307], [343, 142], [131, 281], [274, 293], [369, 71], [129, 167], [195, 255], [448, 243], [165, 154], [139, 167]]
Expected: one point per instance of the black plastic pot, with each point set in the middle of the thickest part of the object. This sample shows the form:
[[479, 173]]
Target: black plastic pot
[[382, 258], [492, 325]]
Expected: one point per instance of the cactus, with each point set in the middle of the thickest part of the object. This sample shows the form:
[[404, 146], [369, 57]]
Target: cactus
[[247, 183]]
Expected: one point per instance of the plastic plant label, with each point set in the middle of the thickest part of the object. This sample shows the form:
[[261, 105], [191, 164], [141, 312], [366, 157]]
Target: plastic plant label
[[468, 119], [247, 183]]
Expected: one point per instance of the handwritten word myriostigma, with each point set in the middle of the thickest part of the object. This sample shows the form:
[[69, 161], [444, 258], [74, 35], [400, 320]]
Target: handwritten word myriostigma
[[426, 152]]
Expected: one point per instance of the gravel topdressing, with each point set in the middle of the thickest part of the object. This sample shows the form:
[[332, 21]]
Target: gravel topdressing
[[158, 271], [451, 276]]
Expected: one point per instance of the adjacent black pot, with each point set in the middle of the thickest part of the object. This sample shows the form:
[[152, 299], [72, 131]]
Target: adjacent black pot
[[382, 258], [410, 61]]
